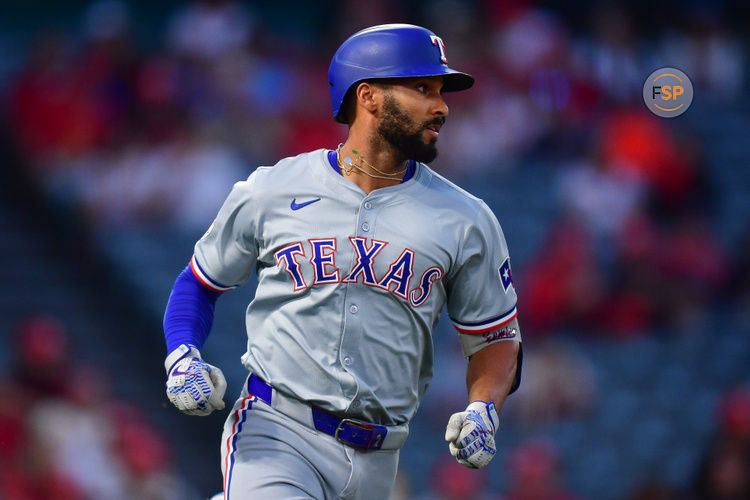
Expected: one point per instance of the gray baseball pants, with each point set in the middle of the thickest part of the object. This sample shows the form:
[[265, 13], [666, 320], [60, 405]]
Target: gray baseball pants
[[268, 455]]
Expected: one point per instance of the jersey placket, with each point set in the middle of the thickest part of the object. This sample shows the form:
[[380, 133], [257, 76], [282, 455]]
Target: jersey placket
[[356, 300]]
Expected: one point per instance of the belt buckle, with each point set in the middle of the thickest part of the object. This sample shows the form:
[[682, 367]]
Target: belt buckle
[[359, 425]]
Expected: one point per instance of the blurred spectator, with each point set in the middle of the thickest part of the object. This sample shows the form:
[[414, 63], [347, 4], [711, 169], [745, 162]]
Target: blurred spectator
[[724, 473], [695, 266], [610, 58], [306, 121], [107, 65], [41, 348], [600, 197], [707, 51], [558, 383], [527, 41], [181, 181], [356, 16], [205, 29], [638, 143], [503, 118], [66, 436], [450, 480], [40, 355], [534, 473], [49, 108], [30, 477], [734, 416], [77, 435], [668, 273], [653, 489], [740, 278], [636, 287], [65, 102], [107, 21], [563, 284], [489, 131]]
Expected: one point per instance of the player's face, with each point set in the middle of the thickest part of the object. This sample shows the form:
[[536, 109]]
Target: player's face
[[413, 112]]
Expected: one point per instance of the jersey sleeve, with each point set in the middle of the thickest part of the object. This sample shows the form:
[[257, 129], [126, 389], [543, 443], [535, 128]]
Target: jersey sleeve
[[224, 258], [481, 294]]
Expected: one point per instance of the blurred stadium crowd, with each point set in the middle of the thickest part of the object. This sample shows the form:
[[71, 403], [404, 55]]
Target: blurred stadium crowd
[[630, 234]]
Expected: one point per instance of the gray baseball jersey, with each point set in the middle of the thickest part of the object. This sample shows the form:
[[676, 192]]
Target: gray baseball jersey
[[351, 285]]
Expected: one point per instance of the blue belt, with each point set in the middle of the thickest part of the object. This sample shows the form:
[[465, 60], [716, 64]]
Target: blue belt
[[353, 433]]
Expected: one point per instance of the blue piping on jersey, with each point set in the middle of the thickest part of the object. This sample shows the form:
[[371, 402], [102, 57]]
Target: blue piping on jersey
[[410, 169], [487, 322], [213, 282], [247, 405]]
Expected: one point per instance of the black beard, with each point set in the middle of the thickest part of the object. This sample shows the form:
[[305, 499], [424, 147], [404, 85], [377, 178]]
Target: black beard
[[400, 131]]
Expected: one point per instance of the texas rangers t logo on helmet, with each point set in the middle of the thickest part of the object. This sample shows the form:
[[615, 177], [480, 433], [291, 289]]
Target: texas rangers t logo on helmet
[[436, 40]]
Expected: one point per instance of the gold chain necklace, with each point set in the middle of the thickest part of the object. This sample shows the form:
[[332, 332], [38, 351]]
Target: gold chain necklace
[[347, 165], [359, 157]]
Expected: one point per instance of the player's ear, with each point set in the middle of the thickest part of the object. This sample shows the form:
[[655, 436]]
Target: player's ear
[[366, 96]]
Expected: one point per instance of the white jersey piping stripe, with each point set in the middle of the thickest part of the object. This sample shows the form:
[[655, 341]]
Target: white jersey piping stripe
[[486, 326], [204, 279]]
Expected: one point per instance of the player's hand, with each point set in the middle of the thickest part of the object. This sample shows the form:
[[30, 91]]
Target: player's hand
[[194, 386], [471, 434]]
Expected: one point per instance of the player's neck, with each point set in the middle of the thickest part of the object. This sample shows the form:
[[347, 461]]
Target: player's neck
[[371, 165]]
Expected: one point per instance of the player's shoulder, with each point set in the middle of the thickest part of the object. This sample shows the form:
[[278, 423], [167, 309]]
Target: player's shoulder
[[292, 165], [287, 171], [451, 195]]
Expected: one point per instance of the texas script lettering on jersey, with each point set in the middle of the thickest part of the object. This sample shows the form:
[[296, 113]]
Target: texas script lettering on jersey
[[323, 260]]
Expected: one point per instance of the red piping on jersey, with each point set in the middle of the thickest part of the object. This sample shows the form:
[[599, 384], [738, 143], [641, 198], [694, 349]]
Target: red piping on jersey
[[203, 281], [487, 329]]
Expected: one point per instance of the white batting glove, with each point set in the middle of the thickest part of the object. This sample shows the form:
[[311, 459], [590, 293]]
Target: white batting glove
[[471, 434], [193, 386]]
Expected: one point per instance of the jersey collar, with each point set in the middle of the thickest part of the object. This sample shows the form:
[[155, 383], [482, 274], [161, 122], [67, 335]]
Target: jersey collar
[[410, 169]]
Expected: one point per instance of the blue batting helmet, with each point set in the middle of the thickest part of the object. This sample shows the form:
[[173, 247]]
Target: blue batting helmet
[[390, 51]]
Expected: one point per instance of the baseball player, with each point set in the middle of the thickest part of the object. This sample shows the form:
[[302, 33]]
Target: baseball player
[[357, 250]]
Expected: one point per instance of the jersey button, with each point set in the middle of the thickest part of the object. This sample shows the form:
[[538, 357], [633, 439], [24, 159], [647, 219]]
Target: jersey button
[[368, 205], [356, 404], [353, 308], [365, 226], [347, 361]]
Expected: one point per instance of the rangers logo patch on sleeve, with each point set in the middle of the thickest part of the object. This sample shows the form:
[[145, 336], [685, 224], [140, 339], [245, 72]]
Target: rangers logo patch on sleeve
[[506, 275]]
